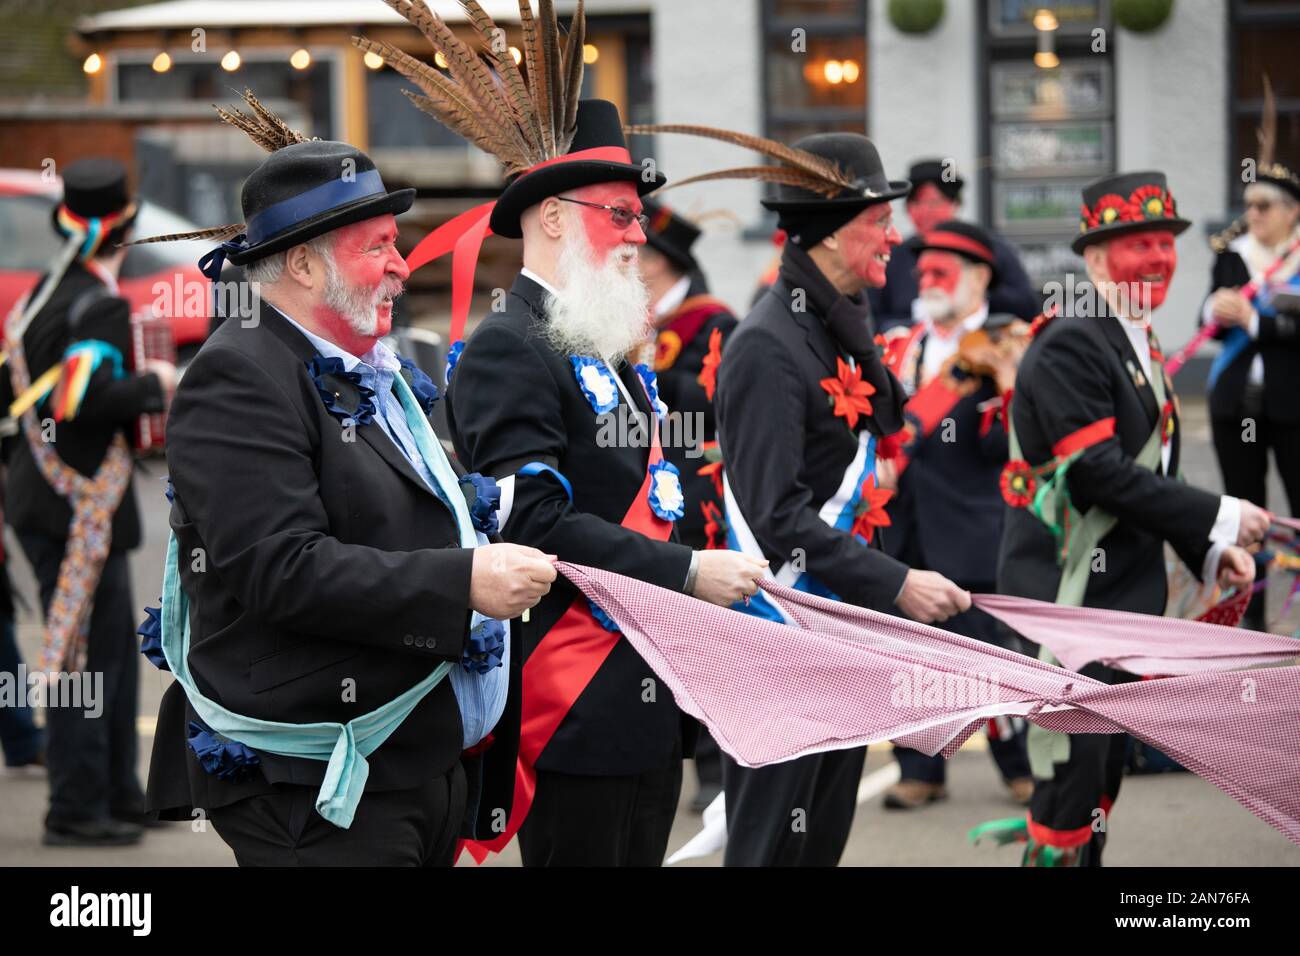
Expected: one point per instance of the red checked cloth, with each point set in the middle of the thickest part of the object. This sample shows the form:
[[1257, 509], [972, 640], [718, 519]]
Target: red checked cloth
[[847, 676], [1137, 643]]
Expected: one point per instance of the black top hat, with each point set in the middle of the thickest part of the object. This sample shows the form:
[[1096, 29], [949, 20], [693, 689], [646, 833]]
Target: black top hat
[[1124, 203], [964, 239], [306, 190], [598, 127], [671, 235], [1281, 176], [935, 171], [96, 187]]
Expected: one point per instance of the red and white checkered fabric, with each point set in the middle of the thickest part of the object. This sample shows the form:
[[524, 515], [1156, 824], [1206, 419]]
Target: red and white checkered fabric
[[848, 676], [1137, 643]]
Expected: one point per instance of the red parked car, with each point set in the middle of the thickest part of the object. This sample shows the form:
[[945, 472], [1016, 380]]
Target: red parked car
[[162, 277]]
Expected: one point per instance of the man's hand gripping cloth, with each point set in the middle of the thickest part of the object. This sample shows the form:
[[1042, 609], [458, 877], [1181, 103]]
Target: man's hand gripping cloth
[[841, 676]]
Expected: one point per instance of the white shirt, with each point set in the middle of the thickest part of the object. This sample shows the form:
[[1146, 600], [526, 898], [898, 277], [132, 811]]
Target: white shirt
[[941, 345]]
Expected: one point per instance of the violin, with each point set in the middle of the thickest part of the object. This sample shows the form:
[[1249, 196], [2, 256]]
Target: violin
[[1002, 338]]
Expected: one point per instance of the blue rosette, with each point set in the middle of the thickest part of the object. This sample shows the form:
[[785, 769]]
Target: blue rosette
[[666, 498], [222, 758], [597, 383], [150, 632], [344, 395], [422, 387], [485, 647], [453, 356], [603, 619], [483, 497], [651, 382]]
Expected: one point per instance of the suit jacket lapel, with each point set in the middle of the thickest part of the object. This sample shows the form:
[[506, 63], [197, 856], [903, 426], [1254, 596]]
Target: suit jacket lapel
[[373, 433], [1133, 370], [818, 338]]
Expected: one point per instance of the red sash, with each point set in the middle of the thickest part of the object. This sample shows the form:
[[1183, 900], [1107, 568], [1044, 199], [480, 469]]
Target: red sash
[[561, 667]]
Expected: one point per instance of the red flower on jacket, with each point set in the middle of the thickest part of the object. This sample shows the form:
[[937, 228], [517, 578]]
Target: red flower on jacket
[[870, 513], [714, 470], [1018, 483], [709, 372], [849, 392], [715, 527]]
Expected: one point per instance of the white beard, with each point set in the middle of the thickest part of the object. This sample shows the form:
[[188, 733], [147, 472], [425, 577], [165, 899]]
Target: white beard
[[940, 307], [359, 306], [598, 310], [937, 305]]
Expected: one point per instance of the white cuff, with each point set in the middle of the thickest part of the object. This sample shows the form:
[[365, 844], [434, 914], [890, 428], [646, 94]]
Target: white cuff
[[1253, 326], [1210, 569], [1228, 523]]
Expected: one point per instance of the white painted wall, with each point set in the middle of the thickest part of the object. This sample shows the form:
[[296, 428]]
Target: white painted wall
[[922, 101], [1172, 114]]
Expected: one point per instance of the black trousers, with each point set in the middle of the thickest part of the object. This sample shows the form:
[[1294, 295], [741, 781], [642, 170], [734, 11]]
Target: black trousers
[[1006, 737], [415, 827], [92, 759], [1072, 807], [796, 813], [580, 820], [1244, 466]]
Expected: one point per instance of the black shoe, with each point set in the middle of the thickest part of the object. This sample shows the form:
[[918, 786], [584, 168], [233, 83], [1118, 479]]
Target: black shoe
[[108, 832]]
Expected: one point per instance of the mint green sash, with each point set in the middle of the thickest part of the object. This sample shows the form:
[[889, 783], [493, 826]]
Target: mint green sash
[[344, 746]]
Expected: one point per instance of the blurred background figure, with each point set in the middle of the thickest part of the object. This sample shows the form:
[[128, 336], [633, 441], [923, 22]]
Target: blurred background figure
[[957, 365], [22, 741], [85, 406], [935, 197], [1252, 382], [691, 329]]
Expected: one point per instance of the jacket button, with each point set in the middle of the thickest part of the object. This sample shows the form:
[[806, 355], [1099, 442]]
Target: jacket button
[[431, 643], [408, 640], [419, 642]]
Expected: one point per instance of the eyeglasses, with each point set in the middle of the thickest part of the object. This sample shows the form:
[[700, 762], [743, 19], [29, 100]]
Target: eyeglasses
[[1259, 205], [620, 216]]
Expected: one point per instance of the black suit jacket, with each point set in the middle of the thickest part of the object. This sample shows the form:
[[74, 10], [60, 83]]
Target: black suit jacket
[[948, 513], [513, 399], [1279, 345], [784, 449], [110, 406], [681, 391], [1010, 292], [311, 556], [1077, 371]]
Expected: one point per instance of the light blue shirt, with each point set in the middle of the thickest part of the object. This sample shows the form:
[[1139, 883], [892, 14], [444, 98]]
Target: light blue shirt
[[481, 697]]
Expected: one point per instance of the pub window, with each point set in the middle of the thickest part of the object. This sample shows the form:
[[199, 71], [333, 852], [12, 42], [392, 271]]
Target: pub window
[[1265, 35], [823, 88]]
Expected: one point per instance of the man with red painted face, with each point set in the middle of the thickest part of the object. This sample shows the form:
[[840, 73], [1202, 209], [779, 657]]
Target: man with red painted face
[[934, 198], [802, 399], [1092, 396], [947, 516], [543, 400], [335, 568]]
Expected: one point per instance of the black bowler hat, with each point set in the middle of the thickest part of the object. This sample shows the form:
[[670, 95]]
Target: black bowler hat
[[671, 235], [935, 171], [1125, 203], [809, 217], [964, 239], [598, 128], [306, 190]]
